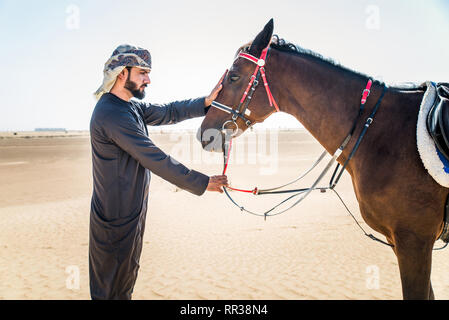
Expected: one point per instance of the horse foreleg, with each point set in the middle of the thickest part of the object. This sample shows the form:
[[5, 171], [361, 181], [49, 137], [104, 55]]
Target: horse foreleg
[[415, 259], [431, 295]]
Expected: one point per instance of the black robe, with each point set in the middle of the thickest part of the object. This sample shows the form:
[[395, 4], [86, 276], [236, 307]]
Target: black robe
[[122, 158]]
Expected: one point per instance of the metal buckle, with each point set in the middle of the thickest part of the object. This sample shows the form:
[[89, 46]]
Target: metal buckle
[[223, 129]]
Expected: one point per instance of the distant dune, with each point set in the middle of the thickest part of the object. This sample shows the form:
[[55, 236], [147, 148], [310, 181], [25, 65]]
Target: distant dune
[[42, 134]]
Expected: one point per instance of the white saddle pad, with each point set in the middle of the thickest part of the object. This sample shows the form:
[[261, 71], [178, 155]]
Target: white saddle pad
[[433, 161]]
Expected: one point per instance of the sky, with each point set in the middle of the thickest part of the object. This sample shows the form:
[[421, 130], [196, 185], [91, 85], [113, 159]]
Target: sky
[[53, 52]]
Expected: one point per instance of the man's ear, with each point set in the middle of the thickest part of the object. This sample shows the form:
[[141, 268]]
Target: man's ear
[[124, 74]]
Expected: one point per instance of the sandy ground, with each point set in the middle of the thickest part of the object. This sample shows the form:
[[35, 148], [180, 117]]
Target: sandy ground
[[195, 247]]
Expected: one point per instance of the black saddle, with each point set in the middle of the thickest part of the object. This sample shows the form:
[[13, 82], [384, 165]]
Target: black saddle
[[438, 127], [438, 119]]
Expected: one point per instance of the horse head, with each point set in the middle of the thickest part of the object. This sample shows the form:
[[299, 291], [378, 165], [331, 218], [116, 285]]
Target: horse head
[[242, 102]]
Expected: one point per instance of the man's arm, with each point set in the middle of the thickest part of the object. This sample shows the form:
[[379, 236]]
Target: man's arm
[[177, 111], [174, 112], [124, 131]]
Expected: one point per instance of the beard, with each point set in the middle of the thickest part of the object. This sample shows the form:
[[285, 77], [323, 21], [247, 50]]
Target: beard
[[135, 90]]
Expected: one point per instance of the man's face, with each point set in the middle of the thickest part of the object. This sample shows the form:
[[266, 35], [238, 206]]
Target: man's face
[[137, 81]]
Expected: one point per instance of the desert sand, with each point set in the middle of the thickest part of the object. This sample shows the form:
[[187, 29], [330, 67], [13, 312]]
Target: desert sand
[[195, 247]]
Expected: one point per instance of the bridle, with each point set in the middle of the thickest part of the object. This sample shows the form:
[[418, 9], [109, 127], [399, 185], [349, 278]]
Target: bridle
[[242, 110]]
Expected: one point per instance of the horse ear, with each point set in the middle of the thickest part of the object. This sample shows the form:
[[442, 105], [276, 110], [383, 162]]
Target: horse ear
[[262, 40]]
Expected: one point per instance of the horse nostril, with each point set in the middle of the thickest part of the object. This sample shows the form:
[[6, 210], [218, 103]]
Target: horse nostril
[[211, 139]]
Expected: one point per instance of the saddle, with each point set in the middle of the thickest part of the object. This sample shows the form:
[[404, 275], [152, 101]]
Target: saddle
[[438, 120]]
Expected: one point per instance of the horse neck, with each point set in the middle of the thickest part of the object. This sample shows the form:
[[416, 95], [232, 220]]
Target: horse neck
[[323, 97]]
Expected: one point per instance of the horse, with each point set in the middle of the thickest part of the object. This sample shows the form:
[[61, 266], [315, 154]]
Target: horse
[[396, 195]]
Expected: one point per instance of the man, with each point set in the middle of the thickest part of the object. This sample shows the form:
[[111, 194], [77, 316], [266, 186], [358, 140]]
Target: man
[[123, 157]]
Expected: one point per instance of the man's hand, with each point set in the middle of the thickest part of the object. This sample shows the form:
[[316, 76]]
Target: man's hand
[[213, 95], [216, 183]]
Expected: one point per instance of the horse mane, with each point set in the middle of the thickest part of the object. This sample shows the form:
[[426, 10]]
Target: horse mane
[[285, 46]]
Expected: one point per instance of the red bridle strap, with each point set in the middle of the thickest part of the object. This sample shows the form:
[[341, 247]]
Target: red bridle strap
[[260, 65], [248, 57], [267, 89], [249, 85], [366, 91], [254, 191]]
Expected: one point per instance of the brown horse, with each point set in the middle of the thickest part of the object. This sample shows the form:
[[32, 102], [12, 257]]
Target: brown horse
[[396, 195]]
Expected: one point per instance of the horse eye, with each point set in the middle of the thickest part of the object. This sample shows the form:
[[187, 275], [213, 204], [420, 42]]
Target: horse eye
[[234, 78]]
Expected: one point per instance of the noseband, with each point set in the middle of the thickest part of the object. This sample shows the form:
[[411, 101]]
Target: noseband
[[242, 110]]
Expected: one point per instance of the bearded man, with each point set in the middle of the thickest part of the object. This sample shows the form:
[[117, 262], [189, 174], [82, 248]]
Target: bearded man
[[123, 156]]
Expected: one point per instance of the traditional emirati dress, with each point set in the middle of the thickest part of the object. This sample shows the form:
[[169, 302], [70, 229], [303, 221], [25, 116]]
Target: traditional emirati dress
[[123, 157]]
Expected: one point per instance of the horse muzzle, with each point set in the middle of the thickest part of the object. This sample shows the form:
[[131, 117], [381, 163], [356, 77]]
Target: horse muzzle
[[211, 139]]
